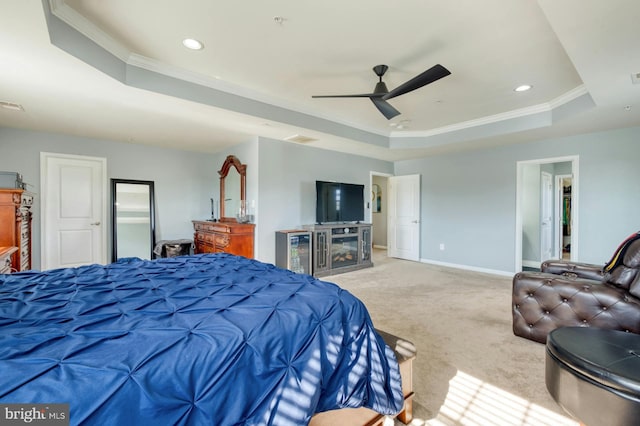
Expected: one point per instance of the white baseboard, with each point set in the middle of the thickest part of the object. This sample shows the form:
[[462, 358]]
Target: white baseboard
[[379, 247], [469, 268], [531, 263]]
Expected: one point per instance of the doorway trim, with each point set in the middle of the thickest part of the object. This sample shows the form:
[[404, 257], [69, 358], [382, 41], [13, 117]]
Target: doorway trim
[[558, 214], [547, 200], [369, 204], [368, 197], [575, 160]]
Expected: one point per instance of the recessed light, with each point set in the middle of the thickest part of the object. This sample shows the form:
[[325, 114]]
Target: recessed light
[[193, 44], [523, 88]]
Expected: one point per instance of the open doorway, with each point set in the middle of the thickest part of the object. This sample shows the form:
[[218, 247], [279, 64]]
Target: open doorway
[[378, 208], [546, 220], [563, 190]]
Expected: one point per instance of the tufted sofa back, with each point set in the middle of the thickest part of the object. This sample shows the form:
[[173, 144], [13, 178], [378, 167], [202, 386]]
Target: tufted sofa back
[[626, 274], [567, 294]]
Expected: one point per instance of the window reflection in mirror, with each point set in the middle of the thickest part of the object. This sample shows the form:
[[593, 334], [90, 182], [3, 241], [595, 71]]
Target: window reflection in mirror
[[233, 175], [232, 193], [133, 221]]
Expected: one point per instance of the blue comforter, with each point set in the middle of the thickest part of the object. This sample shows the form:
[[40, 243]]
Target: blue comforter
[[206, 339]]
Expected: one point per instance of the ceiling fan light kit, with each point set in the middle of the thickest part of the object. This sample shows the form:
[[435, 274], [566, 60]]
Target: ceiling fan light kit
[[381, 94]]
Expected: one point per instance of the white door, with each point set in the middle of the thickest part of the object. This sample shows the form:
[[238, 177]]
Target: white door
[[546, 216], [403, 239], [73, 194]]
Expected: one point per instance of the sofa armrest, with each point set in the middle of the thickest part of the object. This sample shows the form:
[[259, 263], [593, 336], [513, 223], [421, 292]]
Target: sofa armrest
[[543, 302], [573, 269]]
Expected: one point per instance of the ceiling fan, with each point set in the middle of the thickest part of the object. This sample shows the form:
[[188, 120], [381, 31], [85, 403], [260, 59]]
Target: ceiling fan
[[381, 94]]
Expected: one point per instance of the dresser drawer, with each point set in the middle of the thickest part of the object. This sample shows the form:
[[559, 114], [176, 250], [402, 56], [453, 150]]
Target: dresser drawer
[[228, 237]]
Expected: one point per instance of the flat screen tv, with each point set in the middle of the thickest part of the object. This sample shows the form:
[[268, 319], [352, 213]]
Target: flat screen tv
[[339, 202]]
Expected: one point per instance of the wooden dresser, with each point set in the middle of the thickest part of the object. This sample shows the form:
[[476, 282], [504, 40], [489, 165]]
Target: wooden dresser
[[228, 237], [15, 226], [5, 259]]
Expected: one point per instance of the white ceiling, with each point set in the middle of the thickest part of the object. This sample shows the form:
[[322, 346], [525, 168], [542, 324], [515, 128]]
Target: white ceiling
[[256, 76]]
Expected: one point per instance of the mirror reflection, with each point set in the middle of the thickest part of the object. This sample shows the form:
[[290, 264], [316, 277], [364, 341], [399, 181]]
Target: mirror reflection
[[133, 221], [232, 193], [233, 175]]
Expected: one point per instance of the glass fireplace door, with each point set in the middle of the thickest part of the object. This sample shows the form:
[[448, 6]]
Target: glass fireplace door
[[344, 251]]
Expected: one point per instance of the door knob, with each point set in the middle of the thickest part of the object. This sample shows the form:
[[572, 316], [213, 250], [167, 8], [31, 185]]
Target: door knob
[[95, 223]]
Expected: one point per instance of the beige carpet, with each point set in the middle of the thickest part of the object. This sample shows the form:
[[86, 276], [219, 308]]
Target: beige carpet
[[470, 368]]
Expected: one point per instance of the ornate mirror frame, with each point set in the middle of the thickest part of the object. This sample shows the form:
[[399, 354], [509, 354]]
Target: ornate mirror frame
[[231, 161]]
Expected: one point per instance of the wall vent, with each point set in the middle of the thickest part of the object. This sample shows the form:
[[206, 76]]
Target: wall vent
[[300, 139]]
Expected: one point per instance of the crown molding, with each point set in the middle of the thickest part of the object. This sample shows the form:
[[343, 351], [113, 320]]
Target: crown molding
[[496, 118], [87, 28], [160, 67], [71, 17], [81, 24], [569, 96]]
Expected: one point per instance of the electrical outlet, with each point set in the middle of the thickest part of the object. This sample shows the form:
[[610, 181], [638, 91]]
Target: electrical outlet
[[441, 246]]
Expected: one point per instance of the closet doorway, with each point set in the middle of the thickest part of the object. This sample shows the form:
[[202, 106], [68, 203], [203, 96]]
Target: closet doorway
[[563, 187], [560, 241]]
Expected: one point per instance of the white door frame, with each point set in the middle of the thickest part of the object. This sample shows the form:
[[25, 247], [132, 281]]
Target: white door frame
[[44, 157], [546, 203], [574, 159], [558, 214], [370, 208], [370, 204]]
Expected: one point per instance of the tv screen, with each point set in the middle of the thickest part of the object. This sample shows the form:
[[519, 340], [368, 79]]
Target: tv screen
[[339, 202]]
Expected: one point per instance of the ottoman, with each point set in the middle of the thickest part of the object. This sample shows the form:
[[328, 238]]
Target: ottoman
[[594, 374]]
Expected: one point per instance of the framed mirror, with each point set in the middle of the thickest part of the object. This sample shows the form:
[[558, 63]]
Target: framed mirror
[[133, 219], [233, 177]]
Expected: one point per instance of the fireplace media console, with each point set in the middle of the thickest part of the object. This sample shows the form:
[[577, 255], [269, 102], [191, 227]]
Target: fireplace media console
[[340, 247]]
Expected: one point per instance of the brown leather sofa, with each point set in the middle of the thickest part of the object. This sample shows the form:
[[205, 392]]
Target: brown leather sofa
[[568, 294]]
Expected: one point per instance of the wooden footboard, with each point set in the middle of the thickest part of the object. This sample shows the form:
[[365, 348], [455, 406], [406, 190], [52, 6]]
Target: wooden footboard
[[405, 353]]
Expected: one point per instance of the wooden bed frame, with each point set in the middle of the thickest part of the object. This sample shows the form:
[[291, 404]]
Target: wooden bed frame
[[405, 353]]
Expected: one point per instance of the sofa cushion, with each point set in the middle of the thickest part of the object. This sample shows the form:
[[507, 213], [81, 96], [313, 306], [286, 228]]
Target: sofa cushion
[[625, 274], [618, 256]]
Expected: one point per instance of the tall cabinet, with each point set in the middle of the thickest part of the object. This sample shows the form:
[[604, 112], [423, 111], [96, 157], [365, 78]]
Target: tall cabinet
[[15, 226]]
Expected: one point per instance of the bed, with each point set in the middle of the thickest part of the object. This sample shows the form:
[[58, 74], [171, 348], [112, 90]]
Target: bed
[[205, 339]]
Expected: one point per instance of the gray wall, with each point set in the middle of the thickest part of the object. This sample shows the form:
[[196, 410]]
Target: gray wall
[[183, 180], [468, 199], [281, 179]]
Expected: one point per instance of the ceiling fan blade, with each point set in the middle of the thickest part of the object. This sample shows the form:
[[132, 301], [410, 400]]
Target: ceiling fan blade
[[434, 73], [385, 108], [363, 95]]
